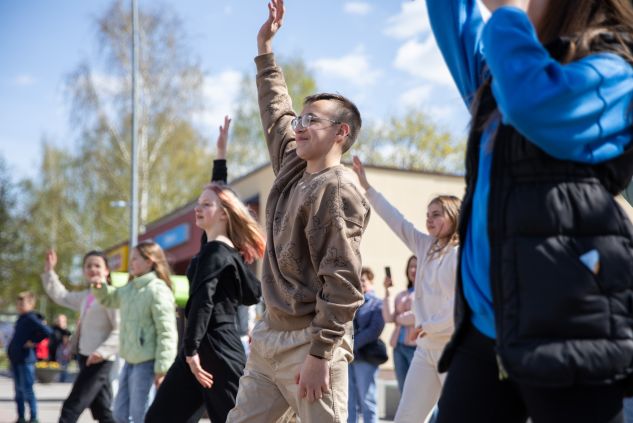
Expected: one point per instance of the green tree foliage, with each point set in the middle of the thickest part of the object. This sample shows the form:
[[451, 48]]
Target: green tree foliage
[[10, 252], [47, 217], [68, 206], [248, 149], [174, 160], [412, 141]]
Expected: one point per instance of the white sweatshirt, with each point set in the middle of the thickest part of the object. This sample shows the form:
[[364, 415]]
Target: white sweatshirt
[[99, 325], [435, 278]]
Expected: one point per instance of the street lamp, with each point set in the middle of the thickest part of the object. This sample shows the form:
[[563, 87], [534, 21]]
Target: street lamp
[[118, 204], [134, 182]]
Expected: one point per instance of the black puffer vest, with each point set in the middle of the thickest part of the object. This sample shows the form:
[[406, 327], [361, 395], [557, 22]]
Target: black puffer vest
[[558, 322]]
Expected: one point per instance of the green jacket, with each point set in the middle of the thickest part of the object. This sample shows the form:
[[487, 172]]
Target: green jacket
[[148, 320]]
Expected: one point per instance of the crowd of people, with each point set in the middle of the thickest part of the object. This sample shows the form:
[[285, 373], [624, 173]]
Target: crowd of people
[[518, 296]]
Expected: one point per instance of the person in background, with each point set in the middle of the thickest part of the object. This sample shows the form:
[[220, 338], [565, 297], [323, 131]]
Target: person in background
[[315, 219], [543, 312], [29, 330], [58, 345], [95, 341], [208, 369], [368, 325], [437, 252], [148, 341], [401, 341]]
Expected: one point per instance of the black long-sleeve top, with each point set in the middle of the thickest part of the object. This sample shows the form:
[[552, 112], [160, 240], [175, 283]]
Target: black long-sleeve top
[[219, 173], [219, 282]]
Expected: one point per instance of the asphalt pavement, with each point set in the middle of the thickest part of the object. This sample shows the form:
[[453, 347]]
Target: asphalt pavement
[[49, 396]]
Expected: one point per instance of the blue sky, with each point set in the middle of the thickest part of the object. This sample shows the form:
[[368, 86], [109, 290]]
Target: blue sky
[[381, 54]]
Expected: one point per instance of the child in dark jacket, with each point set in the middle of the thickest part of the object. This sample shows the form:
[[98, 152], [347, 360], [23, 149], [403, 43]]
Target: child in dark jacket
[[29, 330]]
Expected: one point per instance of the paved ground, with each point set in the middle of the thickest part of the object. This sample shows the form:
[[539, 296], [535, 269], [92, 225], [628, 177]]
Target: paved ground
[[50, 397]]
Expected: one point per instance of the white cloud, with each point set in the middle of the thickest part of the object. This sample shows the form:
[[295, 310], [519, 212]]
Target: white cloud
[[24, 80], [423, 60], [442, 103], [220, 93], [412, 20], [353, 68], [413, 97], [357, 8]]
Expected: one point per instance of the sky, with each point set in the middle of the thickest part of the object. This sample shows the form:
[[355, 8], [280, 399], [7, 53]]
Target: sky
[[381, 54]]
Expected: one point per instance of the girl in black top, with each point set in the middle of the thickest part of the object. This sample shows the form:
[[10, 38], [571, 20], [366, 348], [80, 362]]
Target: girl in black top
[[212, 360]]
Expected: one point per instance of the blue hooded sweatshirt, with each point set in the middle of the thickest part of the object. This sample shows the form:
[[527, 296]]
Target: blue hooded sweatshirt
[[29, 327]]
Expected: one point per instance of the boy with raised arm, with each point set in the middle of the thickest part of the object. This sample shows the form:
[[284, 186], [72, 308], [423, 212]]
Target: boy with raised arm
[[315, 218]]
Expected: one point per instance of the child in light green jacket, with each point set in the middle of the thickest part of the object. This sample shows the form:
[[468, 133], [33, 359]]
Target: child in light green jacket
[[148, 337]]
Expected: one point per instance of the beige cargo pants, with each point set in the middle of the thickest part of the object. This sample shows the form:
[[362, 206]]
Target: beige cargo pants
[[268, 387]]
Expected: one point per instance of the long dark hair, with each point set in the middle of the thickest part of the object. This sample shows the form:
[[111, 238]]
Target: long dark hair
[[586, 27], [590, 26], [96, 253], [410, 282]]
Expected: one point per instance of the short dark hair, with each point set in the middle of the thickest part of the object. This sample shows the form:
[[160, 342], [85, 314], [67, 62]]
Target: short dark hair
[[347, 112]]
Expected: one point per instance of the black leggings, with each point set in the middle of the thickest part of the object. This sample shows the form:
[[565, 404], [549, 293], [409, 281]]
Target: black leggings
[[91, 389], [181, 396], [473, 393]]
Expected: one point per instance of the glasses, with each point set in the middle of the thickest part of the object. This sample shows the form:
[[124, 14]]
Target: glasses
[[307, 120]]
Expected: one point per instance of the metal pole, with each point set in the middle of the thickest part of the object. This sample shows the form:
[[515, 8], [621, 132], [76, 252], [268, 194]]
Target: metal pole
[[134, 186]]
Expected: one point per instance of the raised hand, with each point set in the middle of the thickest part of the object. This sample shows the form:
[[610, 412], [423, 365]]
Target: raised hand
[[387, 283], [50, 261], [270, 27], [204, 378], [223, 139], [360, 171]]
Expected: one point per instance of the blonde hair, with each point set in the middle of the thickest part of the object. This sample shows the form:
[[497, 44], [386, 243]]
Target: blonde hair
[[242, 229], [450, 206], [151, 251]]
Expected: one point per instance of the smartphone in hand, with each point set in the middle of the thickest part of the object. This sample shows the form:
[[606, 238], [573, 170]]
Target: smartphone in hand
[[388, 283]]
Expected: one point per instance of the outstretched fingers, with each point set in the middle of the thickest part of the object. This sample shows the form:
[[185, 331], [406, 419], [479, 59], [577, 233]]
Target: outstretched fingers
[[358, 167], [276, 11], [50, 260], [223, 138]]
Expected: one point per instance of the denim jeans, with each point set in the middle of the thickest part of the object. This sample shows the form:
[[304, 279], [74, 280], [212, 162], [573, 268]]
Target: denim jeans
[[628, 410], [23, 379], [402, 357], [132, 399], [362, 391]]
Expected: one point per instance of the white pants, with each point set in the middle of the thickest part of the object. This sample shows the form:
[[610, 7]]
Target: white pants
[[423, 384]]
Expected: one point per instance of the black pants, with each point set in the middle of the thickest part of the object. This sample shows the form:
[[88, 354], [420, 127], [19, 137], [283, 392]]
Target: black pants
[[473, 393], [180, 397], [91, 389]]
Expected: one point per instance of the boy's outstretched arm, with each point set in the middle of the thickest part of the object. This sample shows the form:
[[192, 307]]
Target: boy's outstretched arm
[[268, 30], [275, 105]]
